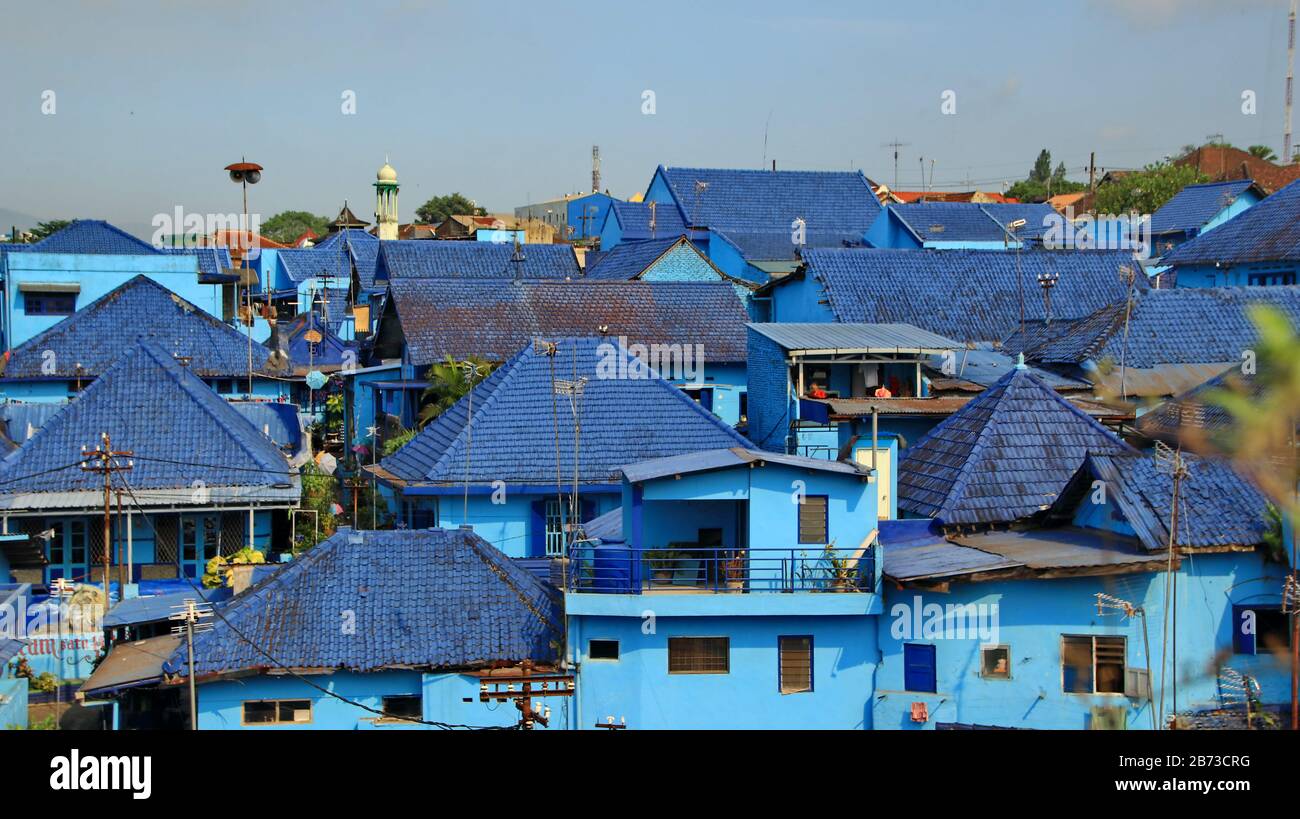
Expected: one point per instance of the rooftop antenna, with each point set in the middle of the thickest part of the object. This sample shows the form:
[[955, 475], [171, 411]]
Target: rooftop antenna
[[766, 125], [1171, 462], [700, 187], [574, 388], [654, 206], [1290, 81], [1012, 227], [1129, 275], [472, 372], [1106, 602], [895, 145], [595, 169], [1238, 690]]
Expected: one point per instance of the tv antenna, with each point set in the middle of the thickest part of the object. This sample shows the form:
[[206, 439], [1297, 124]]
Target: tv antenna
[[895, 145], [1106, 602]]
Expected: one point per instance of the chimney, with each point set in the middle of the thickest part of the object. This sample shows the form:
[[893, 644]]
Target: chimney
[[241, 576]]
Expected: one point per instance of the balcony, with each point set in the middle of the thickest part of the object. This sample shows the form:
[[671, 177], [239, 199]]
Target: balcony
[[618, 569]]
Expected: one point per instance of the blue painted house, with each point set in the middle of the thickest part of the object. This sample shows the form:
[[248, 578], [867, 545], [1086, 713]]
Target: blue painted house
[[813, 391], [60, 361], [202, 480], [1169, 341], [1257, 247], [960, 226], [664, 260], [1061, 621], [497, 459], [639, 222], [695, 331], [383, 630], [53, 278], [734, 588], [964, 295], [1198, 209], [745, 220]]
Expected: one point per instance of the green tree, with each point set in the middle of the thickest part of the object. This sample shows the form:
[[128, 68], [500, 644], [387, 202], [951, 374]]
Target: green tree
[[1262, 152], [440, 207], [44, 229], [1042, 170], [1146, 190], [449, 381], [288, 225]]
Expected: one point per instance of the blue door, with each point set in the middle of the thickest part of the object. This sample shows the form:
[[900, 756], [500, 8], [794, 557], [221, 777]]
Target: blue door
[[68, 550], [200, 541]]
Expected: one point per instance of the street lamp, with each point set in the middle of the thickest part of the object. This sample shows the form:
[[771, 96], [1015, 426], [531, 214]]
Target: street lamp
[[245, 173], [1020, 285]]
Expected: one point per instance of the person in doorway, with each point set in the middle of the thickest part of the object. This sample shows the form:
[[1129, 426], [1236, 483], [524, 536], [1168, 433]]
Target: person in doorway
[[816, 391], [883, 392]]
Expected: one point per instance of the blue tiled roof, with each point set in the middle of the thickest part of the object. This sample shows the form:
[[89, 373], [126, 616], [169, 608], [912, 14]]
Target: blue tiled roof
[[364, 249], [213, 261], [1004, 456], [761, 201], [93, 236], [623, 420], [179, 430], [630, 259], [771, 246], [1216, 506], [634, 219], [1183, 325], [972, 221], [306, 263], [440, 599], [966, 295], [495, 319], [1269, 231], [93, 337], [475, 260], [1194, 205]]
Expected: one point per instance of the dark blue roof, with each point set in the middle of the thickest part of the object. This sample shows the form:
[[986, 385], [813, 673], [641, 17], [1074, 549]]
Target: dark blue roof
[[362, 247], [330, 351], [93, 337], [966, 295], [1182, 325], [476, 260], [93, 236], [1194, 205], [158, 607], [1216, 506], [514, 423], [306, 263], [630, 259], [973, 221], [1269, 231], [495, 319], [213, 261], [607, 527], [772, 246], [1004, 456], [179, 430], [634, 219], [761, 201], [441, 599]]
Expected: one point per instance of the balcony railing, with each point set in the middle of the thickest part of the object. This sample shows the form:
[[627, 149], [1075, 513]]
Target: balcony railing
[[621, 570]]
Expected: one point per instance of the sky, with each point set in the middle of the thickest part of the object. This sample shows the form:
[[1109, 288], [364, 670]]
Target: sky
[[503, 101]]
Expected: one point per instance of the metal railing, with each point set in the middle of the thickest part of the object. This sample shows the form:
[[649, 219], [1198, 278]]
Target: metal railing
[[623, 570]]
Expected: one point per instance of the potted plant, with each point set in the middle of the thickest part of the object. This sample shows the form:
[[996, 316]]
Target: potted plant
[[843, 569], [661, 563]]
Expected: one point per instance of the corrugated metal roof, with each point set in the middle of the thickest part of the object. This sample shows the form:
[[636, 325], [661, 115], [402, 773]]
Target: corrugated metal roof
[[607, 528], [131, 664], [708, 460], [435, 598], [832, 338]]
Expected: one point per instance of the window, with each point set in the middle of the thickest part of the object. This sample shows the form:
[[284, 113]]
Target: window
[[276, 712], [795, 664], [409, 706], [602, 650], [812, 519], [1260, 629], [995, 662], [1268, 279], [49, 304], [1092, 665], [699, 655], [554, 528], [918, 668]]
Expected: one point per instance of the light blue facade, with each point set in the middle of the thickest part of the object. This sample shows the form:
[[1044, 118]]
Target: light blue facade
[[586, 214], [93, 275], [1257, 274], [773, 587], [442, 699]]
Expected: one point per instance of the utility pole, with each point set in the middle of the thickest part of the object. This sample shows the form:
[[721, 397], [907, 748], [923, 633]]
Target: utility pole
[[1171, 461], [101, 459], [191, 614], [1290, 81], [530, 685], [1092, 172], [355, 484]]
